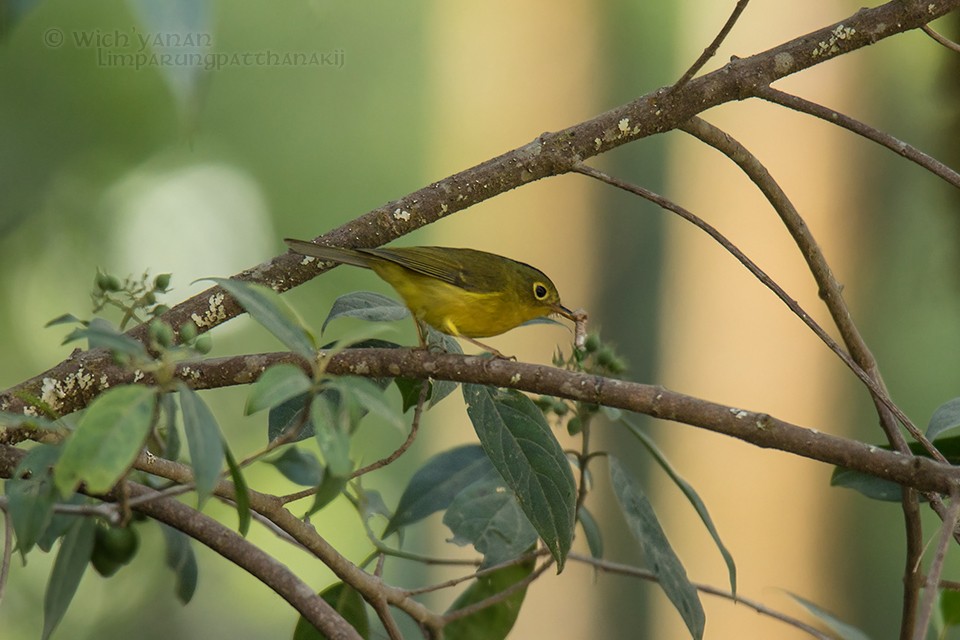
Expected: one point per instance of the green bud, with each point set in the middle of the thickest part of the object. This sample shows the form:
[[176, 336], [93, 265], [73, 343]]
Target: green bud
[[574, 426], [203, 343], [161, 282], [161, 333], [150, 297], [160, 309], [107, 282], [188, 332]]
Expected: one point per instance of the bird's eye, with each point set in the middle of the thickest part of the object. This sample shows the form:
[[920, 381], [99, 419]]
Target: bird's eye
[[539, 290]]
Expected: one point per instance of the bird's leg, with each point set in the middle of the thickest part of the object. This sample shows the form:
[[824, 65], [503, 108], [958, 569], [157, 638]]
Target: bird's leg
[[486, 347]]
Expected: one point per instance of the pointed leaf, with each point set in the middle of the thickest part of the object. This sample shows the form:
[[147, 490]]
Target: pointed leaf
[[518, 440], [101, 333], [331, 427], [275, 386], [299, 466], [67, 318], [486, 515], [660, 557], [18, 420], [366, 395], [843, 630], [950, 608], [591, 530], [267, 307], [330, 488], [291, 414], [434, 486], [870, 486], [346, 601], [692, 496], [31, 495], [241, 491], [203, 440], [496, 621], [107, 439], [181, 559], [945, 418], [168, 431], [366, 305], [68, 568]]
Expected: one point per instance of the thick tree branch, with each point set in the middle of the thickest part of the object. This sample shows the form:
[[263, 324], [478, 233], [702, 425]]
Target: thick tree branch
[[756, 428]]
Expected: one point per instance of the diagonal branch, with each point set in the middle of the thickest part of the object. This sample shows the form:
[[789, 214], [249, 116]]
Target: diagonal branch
[[551, 154], [909, 152]]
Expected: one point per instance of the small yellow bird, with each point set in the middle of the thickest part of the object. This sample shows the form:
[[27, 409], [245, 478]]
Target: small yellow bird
[[461, 292]]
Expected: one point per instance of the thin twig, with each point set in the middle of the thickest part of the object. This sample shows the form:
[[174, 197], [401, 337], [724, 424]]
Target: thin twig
[[860, 360], [882, 138], [458, 614], [751, 266], [947, 530], [414, 427], [479, 573], [948, 43], [711, 50], [608, 566], [912, 578]]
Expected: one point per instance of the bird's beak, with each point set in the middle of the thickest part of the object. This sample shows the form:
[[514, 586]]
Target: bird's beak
[[563, 311]]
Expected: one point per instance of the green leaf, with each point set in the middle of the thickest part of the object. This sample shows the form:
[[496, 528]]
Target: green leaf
[[288, 415], [331, 426], [330, 488], [101, 333], [68, 568], [434, 486], [843, 630], [496, 621], [278, 384], [169, 431], [366, 305], [945, 418], [18, 420], [367, 396], [107, 440], [31, 495], [519, 443], [878, 489], [949, 605], [346, 601], [870, 486], [241, 491], [203, 440], [267, 307], [486, 515], [591, 531], [67, 318], [410, 391], [692, 496], [445, 343], [298, 466], [660, 557], [181, 559]]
